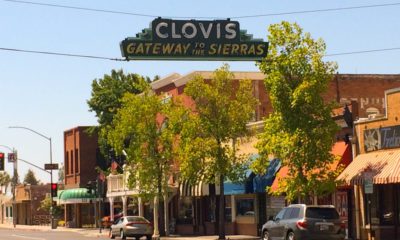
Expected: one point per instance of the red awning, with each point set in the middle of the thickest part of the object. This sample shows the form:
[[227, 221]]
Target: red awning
[[341, 150]]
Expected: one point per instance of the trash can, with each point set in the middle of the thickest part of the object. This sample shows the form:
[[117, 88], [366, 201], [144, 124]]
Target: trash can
[[54, 223]]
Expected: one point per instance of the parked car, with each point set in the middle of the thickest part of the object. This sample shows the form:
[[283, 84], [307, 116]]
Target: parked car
[[131, 226], [305, 222]]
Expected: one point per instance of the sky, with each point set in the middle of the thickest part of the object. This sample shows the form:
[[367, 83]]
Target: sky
[[49, 93]]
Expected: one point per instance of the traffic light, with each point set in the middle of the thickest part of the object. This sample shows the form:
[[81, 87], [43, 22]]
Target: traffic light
[[89, 187], [54, 188], [2, 161]]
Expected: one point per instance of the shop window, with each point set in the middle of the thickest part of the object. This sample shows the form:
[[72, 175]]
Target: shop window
[[245, 207], [76, 160], [11, 211], [382, 210], [185, 211], [386, 205]]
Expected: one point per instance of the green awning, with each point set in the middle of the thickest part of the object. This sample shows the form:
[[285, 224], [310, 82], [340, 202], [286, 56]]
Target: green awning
[[75, 195]]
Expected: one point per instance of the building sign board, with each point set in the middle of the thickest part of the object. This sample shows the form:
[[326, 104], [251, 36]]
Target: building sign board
[[382, 138], [169, 39]]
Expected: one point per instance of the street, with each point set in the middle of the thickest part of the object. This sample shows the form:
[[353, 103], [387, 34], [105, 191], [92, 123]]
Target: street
[[23, 234]]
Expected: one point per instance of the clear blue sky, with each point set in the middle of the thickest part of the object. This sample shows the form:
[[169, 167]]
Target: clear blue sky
[[49, 93]]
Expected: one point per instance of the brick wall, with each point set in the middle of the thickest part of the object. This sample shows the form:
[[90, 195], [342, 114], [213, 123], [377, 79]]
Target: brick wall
[[80, 153], [391, 119]]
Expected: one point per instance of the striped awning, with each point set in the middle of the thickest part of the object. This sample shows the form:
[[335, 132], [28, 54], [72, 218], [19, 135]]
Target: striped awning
[[186, 189], [384, 165]]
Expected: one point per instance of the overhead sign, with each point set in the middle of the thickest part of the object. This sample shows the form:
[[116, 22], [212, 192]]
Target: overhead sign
[[51, 166], [382, 138], [169, 39]]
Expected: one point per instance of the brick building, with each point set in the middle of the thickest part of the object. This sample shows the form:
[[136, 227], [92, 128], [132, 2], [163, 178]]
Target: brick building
[[362, 92], [366, 89], [81, 156]]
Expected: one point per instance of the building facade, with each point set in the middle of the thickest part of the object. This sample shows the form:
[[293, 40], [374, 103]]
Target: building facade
[[28, 200], [374, 173], [190, 207], [81, 157]]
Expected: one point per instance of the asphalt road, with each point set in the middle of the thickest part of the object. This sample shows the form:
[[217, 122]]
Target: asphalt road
[[16, 234]]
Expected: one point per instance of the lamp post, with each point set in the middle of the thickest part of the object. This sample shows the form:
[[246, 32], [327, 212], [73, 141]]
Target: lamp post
[[14, 183], [51, 171]]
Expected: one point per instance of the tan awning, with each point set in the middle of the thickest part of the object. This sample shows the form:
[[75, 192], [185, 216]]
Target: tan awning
[[385, 166]]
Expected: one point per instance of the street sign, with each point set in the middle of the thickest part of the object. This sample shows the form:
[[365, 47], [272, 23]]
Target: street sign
[[368, 184], [51, 166], [12, 157]]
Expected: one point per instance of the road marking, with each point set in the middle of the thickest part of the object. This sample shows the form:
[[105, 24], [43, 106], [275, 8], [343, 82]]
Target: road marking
[[21, 236]]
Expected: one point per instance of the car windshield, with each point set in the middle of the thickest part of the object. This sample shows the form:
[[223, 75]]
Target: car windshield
[[137, 219], [323, 213]]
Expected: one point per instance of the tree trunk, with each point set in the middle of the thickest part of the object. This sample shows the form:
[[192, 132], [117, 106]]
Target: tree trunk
[[221, 208]]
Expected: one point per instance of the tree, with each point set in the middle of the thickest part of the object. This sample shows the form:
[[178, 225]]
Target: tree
[[106, 99], [300, 130], [223, 107], [30, 178], [46, 204], [144, 128], [5, 180]]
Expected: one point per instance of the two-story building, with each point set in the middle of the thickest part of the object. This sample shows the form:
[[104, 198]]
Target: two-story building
[[81, 156], [374, 173]]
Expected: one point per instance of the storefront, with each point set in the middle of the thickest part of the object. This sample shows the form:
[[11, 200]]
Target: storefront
[[81, 207], [374, 173]]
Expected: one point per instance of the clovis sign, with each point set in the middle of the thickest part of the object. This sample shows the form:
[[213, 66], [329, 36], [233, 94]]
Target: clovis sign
[[169, 39]]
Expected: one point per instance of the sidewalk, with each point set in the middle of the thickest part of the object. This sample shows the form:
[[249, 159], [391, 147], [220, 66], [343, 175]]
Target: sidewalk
[[94, 232], [90, 232]]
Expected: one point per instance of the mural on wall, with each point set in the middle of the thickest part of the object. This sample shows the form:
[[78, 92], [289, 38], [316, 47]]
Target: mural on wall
[[382, 138], [368, 105]]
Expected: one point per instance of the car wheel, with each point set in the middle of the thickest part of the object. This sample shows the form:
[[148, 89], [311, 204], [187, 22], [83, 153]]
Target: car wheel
[[265, 235], [122, 234], [290, 236], [111, 235]]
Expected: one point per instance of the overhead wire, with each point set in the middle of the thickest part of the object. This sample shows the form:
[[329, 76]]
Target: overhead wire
[[61, 54], [204, 17], [122, 59]]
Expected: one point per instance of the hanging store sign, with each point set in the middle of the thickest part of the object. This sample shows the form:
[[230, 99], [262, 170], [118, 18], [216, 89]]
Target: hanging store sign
[[382, 138], [169, 39]]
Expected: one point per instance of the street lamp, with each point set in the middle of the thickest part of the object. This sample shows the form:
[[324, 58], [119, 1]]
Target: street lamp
[[14, 182], [51, 170]]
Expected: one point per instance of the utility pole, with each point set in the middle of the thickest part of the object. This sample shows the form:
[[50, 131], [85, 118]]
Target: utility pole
[[53, 225], [14, 182]]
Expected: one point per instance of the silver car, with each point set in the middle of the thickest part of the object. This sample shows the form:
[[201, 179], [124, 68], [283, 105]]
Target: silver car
[[131, 226], [305, 222]]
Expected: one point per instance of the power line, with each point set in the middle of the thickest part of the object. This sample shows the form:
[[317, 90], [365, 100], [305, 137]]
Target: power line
[[61, 54], [363, 51], [121, 59], [202, 17]]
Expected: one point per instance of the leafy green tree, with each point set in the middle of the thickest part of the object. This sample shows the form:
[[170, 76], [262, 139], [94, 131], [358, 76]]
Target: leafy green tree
[[30, 178], [106, 99], [45, 205], [5, 180], [223, 107], [144, 128], [300, 131]]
